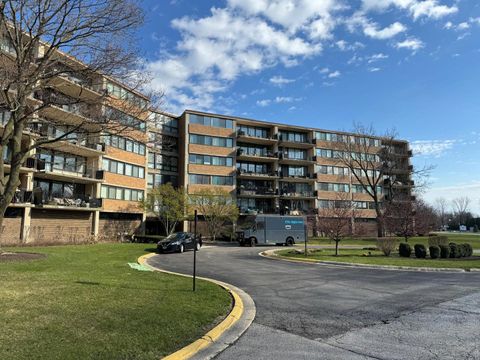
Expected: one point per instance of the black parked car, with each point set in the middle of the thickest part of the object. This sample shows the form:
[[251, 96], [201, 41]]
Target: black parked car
[[178, 242]]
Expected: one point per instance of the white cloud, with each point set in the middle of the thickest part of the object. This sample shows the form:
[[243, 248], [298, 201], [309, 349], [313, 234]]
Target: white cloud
[[374, 69], [264, 102], [371, 28], [280, 80], [215, 50], [417, 8], [474, 20], [435, 148], [346, 46], [377, 57], [334, 74], [316, 18], [278, 100], [324, 70], [248, 36], [463, 26], [448, 25], [410, 44]]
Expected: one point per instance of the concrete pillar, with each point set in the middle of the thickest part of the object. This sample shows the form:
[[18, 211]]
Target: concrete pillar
[[26, 221], [95, 223]]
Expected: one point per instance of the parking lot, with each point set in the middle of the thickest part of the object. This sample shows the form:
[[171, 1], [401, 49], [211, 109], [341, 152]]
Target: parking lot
[[313, 311]]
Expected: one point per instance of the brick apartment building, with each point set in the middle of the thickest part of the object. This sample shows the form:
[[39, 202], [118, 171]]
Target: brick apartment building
[[78, 188]]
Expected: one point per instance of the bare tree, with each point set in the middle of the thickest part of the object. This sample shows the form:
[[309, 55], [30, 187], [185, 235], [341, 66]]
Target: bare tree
[[80, 41], [461, 209], [441, 206], [380, 168], [426, 218], [399, 217], [335, 221]]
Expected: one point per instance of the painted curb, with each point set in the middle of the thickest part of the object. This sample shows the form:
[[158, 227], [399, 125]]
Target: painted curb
[[224, 334], [271, 254]]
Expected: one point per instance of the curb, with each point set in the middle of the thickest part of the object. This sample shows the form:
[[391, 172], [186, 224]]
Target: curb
[[271, 254], [224, 334]]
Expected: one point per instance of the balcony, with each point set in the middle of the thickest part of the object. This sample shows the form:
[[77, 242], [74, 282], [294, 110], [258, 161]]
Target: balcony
[[22, 196], [298, 178], [284, 159], [89, 176], [258, 192], [79, 202], [77, 148], [74, 87], [288, 142], [307, 195], [241, 174], [260, 156], [257, 210], [29, 166], [245, 138]]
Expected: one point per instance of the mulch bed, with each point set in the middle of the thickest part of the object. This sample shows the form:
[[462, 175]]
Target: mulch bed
[[19, 256]]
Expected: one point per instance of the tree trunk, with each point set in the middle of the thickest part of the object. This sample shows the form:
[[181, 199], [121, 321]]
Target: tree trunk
[[336, 247]]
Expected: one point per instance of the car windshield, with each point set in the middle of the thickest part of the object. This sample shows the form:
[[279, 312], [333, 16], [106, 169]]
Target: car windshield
[[176, 236]]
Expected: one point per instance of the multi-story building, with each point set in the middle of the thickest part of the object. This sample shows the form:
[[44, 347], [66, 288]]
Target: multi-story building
[[275, 168], [90, 183]]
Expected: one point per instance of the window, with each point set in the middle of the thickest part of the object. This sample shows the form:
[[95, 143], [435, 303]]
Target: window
[[332, 170], [324, 136], [222, 180], [252, 150], [252, 131], [124, 94], [211, 140], [165, 123], [333, 187], [296, 154], [162, 162], [160, 179], [118, 193], [124, 144], [293, 136], [252, 168], [210, 121], [124, 119], [210, 160], [199, 179], [121, 168]]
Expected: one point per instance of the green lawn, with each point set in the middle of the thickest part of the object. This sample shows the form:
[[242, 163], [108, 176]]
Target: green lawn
[[84, 302], [377, 258], [472, 239]]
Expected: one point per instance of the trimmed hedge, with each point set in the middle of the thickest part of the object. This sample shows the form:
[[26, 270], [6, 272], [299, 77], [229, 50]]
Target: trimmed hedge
[[444, 251], [469, 250], [434, 252], [454, 251], [404, 250], [420, 251]]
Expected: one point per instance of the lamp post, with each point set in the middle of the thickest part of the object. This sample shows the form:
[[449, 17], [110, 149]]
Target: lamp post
[[194, 249]]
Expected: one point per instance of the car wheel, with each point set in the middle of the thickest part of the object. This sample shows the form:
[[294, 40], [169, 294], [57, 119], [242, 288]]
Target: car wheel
[[181, 249], [198, 246], [289, 241], [252, 241]]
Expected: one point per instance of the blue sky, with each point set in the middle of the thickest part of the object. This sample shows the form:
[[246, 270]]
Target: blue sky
[[412, 65]]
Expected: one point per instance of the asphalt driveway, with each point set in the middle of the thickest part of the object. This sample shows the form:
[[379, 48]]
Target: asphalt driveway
[[313, 311]]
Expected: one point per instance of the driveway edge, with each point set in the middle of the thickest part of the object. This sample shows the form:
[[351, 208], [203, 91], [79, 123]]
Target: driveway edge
[[224, 334], [271, 254]]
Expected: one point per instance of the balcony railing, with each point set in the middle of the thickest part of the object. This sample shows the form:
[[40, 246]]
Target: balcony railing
[[259, 174], [257, 210], [22, 196], [295, 176], [270, 154], [44, 198], [257, 191], [301, 194]]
